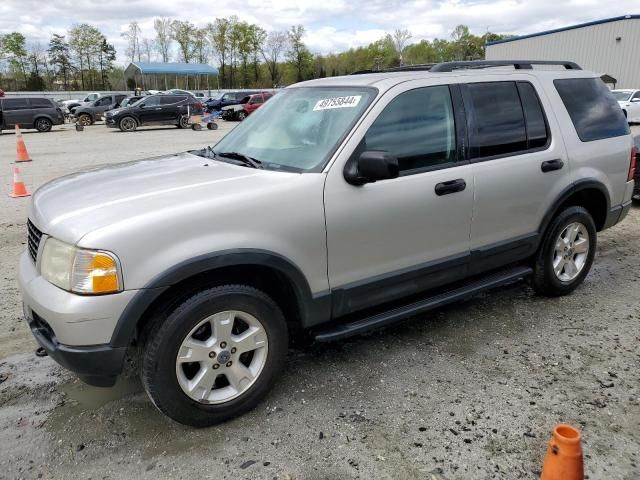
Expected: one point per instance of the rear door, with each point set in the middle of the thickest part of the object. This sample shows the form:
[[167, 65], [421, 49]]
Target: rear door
[[520, 167], [17, 111], [171, 108]]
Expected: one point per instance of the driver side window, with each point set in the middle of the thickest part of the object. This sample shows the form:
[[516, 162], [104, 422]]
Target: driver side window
[[152, 101], [418, 128]]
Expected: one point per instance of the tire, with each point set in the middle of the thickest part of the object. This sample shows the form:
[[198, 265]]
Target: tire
[[169, 380], [43, 124], [212, 126], [85, 119], [183, 121], [558, 249], [241, 115], [128, 124]]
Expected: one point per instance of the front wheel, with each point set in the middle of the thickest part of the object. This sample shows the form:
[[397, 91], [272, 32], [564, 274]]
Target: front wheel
[[241, 115], [128, 124], [215, 356], [85, 120], [566, 253]]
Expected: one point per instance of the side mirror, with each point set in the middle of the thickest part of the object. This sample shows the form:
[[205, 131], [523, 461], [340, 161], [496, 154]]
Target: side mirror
[[371, 166], [141, 106], [634, 100]]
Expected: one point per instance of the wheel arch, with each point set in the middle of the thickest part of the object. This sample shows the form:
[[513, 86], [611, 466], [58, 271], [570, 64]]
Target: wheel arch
[[589, 194], [272, 273]]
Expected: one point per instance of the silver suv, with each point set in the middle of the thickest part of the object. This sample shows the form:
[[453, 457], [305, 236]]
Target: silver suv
[[342, 205]]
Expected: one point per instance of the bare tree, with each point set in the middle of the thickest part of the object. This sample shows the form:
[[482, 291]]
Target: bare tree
[[162, 27], [272, 50], [133, 40], [147, 48], [400, 39]]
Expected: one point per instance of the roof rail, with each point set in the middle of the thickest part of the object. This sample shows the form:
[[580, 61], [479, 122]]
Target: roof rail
[[517, 64], [403, 68]]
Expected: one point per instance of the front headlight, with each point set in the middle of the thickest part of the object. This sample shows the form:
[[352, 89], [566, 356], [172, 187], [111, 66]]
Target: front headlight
[[79, 270]]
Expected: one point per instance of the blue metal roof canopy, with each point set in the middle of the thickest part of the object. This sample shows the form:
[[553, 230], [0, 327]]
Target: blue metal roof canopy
[[157, 68], [148, 74]]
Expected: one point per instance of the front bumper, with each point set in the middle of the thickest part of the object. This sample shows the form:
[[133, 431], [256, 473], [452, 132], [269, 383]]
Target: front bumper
[[75, 330]]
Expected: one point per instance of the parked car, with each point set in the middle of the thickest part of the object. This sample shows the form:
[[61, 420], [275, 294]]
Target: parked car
[[29, 112], [163, 109], [90, 97], [89, 113], [177, 91], [629, 101], [248, 104], [636, 187], [127, 102], [344, 205], [226, 99]]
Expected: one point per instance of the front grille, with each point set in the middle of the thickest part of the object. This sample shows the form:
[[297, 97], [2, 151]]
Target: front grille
[[33, 239]]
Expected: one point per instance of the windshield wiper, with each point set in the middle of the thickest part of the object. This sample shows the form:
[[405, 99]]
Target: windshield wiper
[[245, 159]]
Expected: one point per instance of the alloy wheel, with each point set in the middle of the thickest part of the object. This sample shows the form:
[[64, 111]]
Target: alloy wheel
[[571, 251], [221, 357]]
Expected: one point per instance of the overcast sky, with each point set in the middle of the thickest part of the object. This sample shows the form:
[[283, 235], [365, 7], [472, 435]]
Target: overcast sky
[[332, 25]]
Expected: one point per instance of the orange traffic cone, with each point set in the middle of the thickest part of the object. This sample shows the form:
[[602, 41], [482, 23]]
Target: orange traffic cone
[[563, 460], [19, 190], [21, 149]]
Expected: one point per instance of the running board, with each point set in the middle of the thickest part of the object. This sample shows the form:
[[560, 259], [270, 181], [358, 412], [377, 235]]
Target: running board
[[403, 312]]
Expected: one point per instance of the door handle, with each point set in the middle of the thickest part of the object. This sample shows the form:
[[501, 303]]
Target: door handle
[[452, 186], [158, 108], [551, 165]]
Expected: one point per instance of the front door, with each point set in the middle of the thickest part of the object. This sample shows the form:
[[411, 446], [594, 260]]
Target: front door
[[151, 112], [396, 237]]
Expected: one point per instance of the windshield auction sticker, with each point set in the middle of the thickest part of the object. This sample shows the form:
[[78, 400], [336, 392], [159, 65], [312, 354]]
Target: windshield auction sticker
[[337, 102]]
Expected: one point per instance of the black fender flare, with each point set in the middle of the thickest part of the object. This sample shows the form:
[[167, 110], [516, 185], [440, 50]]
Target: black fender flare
[[313, 309], [583, 184]]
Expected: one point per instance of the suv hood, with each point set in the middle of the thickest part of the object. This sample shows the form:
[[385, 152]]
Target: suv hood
[[72, 206]]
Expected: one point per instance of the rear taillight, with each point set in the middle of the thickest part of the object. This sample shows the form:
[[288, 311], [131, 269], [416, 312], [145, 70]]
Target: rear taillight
[[199, 106], [632, 165]]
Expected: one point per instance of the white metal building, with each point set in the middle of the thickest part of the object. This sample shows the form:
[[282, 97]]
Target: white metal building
[[610, 46]]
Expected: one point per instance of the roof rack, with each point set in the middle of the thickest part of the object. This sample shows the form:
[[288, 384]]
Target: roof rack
[[517, 64], [451, 66]]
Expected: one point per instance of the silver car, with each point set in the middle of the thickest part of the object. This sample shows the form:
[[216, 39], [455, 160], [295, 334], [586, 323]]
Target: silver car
[[342, 205]]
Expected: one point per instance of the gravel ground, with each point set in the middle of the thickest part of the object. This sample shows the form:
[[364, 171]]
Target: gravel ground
[[469, 391]]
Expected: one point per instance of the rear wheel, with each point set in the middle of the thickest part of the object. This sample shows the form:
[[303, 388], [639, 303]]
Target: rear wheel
[[212, 126], [215, 356], [128, 124], [241, 115], [43, 124], [566, 253], [183, 121]]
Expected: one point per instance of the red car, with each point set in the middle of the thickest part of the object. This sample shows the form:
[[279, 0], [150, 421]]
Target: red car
[[248, 104]]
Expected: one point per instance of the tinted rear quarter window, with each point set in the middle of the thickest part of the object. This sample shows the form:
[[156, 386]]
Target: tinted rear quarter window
[[169, 99], [593, 110], [40, 103]]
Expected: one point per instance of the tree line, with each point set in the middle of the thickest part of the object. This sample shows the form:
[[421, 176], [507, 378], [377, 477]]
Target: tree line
[[247, 56]]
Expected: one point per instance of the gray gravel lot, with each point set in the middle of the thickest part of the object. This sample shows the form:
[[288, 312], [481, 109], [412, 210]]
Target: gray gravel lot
[[469, 391]]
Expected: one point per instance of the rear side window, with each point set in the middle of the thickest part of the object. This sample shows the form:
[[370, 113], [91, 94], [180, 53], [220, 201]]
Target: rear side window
[[496, 123], [593, 110], [169, 99], [418, 128], [537, 129], [15, 104], [40, 103]]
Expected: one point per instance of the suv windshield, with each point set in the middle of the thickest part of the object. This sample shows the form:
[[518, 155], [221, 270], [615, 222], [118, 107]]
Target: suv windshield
[[621, 96], [299, 128]]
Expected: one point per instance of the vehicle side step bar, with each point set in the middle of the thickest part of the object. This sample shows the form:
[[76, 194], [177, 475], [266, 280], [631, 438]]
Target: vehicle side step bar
[[405, 311]]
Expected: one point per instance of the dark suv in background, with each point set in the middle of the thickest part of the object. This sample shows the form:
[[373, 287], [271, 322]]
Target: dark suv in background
[[229, 98], [29, 112], [159, 109], [636, 187], [89, 113]]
